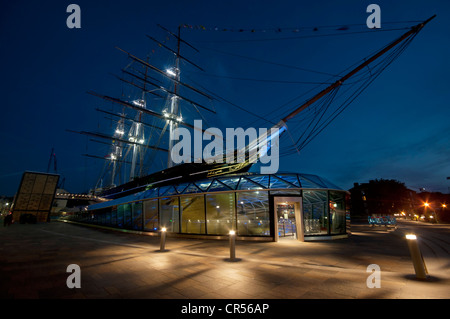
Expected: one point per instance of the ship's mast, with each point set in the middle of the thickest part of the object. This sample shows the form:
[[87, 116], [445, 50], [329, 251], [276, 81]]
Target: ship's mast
[[174, 101], [136, 133], [116, 150]]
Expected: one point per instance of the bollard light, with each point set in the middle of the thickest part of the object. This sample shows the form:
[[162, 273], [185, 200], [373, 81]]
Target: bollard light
[[163, 239], [232, 245], [416, 256]]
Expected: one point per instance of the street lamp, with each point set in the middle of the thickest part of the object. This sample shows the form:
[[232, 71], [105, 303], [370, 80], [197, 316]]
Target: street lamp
[[163, 239], [416, 256], [232, 245]]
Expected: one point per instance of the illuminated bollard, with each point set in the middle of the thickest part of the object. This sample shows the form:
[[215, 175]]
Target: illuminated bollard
[[416, 256], [232, 245], [163, 239]]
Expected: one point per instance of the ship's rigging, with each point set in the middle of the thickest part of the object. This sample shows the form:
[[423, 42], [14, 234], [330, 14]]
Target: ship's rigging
[[131, 146]]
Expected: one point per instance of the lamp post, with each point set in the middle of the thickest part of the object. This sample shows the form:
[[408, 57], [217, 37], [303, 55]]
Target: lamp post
[[232, 245], [163, 239], [416, 256]]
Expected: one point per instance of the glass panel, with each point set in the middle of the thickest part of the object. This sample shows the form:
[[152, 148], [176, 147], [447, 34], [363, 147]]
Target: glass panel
[[285, 213], [180, 188], [169, 214], [167, 190], [150, 193], [137, 216], [90, 218], [217, 186], [305, 183], [337, 212], [311, 181], [291, 179], [276, 182], [114, 216], [120, 210], [192, 189], [230, 182], [192, 209], [315, 213], [248, 184], [220, 213], [126, 215], [108, 217], [151, 215], [329, 184], [262, 180], [203, 185], [253, 213]]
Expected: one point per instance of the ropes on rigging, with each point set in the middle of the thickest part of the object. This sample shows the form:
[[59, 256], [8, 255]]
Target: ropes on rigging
[[322, 121]]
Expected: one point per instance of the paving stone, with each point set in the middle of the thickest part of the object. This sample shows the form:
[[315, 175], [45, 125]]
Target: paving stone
[[34, 259]]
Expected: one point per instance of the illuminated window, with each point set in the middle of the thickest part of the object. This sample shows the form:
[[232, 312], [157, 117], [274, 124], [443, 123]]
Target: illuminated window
[[253, 213], [220, 213], [315, 212], [151, 215], [192, 209], [169, 214]]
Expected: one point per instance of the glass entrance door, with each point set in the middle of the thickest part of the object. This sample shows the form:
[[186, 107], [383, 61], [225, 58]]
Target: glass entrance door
[[286, 220]]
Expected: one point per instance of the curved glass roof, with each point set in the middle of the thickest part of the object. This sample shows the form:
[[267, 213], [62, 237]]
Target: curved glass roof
[[246, 181]]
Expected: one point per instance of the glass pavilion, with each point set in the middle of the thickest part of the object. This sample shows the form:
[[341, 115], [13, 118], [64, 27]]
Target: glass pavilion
[[256, 206]]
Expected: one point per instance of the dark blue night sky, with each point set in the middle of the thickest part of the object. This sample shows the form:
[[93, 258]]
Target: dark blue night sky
[[397, 129]]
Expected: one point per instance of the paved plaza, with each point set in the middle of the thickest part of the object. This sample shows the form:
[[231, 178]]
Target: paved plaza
[[116, 265]]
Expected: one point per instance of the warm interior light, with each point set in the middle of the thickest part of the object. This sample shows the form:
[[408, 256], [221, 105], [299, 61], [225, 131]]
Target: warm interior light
[[232, 232], [163, 229], [411, 236]]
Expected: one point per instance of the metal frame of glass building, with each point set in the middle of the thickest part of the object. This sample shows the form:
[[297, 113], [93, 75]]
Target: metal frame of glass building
[[257, 206]]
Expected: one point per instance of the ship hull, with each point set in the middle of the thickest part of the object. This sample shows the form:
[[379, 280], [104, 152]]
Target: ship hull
[[185, 172]]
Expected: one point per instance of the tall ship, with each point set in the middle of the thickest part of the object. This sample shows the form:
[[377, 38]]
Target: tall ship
[[163, 96]]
